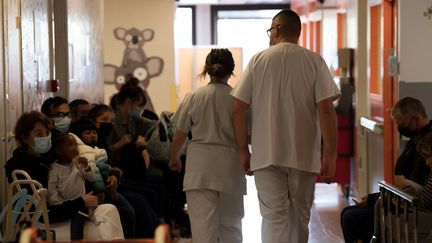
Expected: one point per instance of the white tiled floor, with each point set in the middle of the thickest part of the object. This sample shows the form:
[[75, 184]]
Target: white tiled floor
[[324, 226]]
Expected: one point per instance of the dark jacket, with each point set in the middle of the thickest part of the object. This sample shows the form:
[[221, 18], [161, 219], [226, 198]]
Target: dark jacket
[[38, 168], [410, 163]]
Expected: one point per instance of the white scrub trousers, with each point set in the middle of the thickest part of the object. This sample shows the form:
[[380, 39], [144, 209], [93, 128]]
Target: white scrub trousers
[[285, 196], [215, 216]]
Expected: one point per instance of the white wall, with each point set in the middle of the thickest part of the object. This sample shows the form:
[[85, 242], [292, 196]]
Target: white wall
[[329, 38], [415, 38], [143, 14]]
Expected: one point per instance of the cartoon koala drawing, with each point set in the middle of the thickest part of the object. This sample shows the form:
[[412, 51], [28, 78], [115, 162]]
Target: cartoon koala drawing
[[134, 40], [142, 71], [135, 62]]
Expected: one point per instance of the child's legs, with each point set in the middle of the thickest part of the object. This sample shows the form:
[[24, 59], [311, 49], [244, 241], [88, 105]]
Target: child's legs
[[77, 227]]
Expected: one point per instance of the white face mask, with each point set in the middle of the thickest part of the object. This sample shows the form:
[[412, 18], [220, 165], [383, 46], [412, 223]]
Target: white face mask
[[62, 124], [42, 145]]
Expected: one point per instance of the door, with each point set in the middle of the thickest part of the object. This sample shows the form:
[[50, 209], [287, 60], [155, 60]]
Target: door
[[2, 115], [35, 52], [12, 76]]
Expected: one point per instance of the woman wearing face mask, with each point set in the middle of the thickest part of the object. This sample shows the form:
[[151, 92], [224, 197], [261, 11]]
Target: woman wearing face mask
[[33, 136], [129, 150], [127, 137], [145, 218]]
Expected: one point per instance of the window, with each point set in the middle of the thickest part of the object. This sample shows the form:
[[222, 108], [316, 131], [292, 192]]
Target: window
[[244, 26], [184, 27]]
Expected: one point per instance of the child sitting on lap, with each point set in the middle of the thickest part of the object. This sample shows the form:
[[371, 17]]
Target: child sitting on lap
[[67, 178]]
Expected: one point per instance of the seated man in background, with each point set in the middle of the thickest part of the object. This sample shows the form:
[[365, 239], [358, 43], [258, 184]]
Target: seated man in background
[[410, 116], [79, 108], [57, 109]]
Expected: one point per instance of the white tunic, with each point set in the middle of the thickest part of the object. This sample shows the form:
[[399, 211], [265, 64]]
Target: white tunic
[[283, 85], [212, 155], [67, 182]]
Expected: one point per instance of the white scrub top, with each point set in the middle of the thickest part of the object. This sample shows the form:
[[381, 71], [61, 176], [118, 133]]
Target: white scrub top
[[212, 156], [283, 85]]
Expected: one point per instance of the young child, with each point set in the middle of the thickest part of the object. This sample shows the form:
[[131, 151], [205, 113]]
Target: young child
[[67, 178], [84, 133]]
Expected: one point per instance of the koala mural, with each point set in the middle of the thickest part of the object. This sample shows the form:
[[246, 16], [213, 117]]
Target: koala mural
[[135, 62]]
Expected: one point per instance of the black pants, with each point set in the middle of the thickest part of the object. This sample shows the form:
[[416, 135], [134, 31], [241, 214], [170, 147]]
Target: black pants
[[77, 227], [357, 223], [145, 218]]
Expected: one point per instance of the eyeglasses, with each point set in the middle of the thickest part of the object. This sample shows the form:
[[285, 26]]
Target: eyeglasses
[[61, 114], [269, 30]]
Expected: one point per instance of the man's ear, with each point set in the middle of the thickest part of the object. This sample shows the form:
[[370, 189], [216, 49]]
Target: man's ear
[[120, 33]]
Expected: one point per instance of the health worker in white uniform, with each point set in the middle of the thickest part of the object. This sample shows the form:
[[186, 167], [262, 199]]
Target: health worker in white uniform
[[214, 181], [289, 91]]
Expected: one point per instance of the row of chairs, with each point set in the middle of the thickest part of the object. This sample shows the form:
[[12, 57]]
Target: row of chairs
[[399, 217], [26, 202]]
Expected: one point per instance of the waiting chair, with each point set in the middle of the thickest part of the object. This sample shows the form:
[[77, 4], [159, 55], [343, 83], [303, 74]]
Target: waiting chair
[[400, 220], [26, 201], [162, 235]]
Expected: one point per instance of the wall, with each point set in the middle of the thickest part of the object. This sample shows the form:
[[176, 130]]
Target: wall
[[143, 14], [329, 41], [415, 38], [85, 49]]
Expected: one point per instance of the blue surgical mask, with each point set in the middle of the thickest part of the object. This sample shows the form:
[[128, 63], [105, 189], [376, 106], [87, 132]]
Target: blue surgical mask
[[62, 124], [135, 112], [42, 145]]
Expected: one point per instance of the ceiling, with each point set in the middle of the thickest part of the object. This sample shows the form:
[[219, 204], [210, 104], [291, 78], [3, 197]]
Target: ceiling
[[225, 2]]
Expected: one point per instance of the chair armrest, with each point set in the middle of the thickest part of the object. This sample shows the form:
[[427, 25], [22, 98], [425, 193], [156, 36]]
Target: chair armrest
[[397, 191]]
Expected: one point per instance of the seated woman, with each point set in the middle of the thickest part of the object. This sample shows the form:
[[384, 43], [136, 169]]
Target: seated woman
[[145, 218], [34, 141]]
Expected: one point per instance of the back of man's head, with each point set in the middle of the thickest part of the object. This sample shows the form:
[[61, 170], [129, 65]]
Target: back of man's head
[[290, 23], [409, 107]]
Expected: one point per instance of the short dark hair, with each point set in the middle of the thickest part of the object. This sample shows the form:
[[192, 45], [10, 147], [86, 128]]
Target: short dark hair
[[409, 107], [98, 110], [26, 123], [51, 103], [75, 104], [292, 20], [59, 141], [79, 126], [219, 63]]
